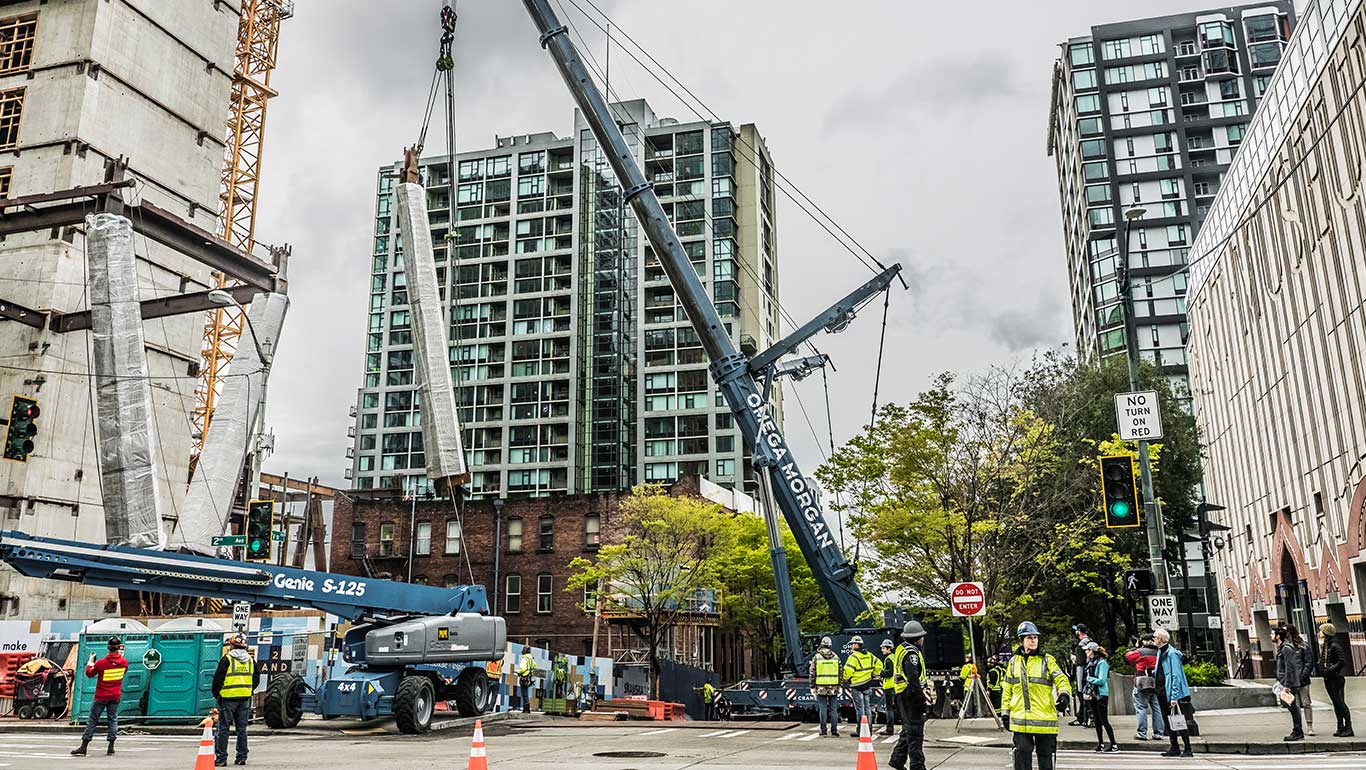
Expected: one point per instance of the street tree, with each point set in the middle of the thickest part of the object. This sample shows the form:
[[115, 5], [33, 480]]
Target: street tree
[[663, 557]]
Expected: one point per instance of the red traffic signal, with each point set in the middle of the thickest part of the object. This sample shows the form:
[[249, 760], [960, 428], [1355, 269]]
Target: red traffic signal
[[23, 414]]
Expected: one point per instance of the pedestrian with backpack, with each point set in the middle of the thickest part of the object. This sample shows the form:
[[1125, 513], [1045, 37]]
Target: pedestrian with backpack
[[1302, 698], [1144, 659]]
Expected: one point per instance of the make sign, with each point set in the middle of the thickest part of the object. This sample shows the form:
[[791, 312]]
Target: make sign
[[967, 599]]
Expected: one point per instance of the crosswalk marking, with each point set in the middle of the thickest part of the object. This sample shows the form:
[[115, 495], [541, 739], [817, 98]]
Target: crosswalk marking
[[659, 732], [711, 734], [891, 739], [732, 734], [811, 737], [790, 736]]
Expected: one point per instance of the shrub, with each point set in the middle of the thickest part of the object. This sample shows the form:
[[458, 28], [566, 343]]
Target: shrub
[[1205, 673]]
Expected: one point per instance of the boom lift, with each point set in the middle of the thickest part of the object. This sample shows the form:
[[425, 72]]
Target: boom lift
[[414, 645]]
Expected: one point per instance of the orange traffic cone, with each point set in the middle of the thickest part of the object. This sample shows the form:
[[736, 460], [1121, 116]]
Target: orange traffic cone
[[478, 759], [867, 760], [204, 761]]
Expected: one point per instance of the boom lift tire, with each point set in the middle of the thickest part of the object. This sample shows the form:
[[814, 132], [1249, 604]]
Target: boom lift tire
[[472, 692], [284, 703], [413, 704]]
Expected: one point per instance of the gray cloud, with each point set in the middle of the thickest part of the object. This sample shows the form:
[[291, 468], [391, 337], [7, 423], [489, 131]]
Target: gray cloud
[[961, 80]]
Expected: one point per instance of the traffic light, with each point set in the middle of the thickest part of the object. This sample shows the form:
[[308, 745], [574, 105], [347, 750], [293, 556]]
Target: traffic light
[[23, 426], [1120, 489], [260, 522]]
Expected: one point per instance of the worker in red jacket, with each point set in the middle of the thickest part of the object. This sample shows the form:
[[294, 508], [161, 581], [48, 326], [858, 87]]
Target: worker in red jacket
[[108, 674]]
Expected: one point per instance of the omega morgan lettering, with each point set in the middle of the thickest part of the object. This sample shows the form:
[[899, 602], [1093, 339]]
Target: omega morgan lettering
[[776, 446]]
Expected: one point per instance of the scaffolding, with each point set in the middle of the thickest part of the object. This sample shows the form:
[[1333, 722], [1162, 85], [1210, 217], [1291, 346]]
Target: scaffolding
[[258, 42]]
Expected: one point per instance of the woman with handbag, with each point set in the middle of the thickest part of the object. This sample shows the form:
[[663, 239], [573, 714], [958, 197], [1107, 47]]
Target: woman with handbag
[[1174, 694], [1097, 693], [1144, 660]]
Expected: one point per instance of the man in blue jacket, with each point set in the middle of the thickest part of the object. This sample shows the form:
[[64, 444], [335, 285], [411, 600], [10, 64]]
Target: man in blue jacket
[[1173, 692]]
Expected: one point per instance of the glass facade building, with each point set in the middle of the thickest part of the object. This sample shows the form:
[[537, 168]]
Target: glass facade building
[[1149, 114], [575, 368]]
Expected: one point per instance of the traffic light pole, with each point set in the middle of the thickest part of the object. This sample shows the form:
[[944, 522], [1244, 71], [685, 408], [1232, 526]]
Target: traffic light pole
[[1151, 513]]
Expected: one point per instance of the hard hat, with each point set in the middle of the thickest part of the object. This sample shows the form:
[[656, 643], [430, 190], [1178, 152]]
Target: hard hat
[[856, 640], [887, 643], [913, 630], [1027, 628], [825, 641], [237, 640]]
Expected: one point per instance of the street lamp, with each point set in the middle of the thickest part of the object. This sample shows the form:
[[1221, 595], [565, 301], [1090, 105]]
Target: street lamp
[[1156, 537], [226, 299]]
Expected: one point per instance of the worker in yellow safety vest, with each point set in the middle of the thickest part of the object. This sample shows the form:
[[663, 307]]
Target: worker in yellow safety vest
[[526, 669], [824, 671], [859, 668], [911, 681], [233, 683], [1028, 702], [888, 688]]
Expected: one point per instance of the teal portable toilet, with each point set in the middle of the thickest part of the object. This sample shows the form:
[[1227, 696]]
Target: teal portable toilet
[[137, 639], [181, 661]]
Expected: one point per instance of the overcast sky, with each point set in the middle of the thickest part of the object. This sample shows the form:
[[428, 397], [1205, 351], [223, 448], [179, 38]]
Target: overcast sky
[[919, 126]]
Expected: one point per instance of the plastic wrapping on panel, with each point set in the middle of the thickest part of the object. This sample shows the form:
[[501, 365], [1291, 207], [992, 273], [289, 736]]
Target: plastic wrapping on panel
[[208, 504], [126, 431], [431, 345]]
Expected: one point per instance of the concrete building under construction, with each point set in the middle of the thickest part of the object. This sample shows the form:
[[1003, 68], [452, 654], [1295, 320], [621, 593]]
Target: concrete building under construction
[[115, 107]]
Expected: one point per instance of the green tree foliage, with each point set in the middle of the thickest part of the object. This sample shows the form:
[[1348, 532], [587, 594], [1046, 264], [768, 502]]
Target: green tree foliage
[[664, 551], [751, 599], [996, 481]]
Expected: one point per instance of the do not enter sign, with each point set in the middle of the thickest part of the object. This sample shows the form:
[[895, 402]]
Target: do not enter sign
[[967, 599]]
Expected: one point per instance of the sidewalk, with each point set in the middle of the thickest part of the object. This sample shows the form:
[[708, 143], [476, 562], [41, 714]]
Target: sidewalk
[[1232, 731], [309, 725]]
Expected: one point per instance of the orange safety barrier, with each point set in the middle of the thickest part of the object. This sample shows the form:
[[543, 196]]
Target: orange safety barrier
[[478, 756], [867, 760], [204, 759]]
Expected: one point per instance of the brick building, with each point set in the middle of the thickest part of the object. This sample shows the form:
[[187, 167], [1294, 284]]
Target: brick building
[[380, 534]]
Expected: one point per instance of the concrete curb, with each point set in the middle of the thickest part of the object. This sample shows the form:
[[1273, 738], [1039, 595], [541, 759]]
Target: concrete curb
[[1197, 746], [306, 727]]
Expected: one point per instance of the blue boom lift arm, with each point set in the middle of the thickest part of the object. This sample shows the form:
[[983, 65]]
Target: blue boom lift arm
[[142, 569]]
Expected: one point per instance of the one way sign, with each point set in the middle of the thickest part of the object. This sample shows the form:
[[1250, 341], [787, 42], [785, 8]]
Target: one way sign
[[1162, 611]]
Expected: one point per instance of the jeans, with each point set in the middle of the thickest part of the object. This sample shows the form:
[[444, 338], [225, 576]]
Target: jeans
[[1334, 687], [861, 708], [1306, 703], [910, 745], [1029, 744], [234, 713], [111, 713], [1145, 704], [1294, 709], [827, 711], [524, 688], [889, 703]]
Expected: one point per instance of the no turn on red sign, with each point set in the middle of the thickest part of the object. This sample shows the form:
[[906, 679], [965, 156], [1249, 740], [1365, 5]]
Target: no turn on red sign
[[967, 600]]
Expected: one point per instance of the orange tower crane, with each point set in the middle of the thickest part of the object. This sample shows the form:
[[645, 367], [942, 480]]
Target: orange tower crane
[[258, 42]]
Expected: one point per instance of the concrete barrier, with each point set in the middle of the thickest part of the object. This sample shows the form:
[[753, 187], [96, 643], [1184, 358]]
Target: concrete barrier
[[1202, 698]]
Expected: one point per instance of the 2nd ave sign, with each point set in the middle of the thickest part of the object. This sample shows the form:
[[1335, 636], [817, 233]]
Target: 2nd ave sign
[[1138, 416], [967, 599]]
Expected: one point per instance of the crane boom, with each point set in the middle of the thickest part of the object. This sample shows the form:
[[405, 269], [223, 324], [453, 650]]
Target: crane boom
[[792, 492], [144, 569]]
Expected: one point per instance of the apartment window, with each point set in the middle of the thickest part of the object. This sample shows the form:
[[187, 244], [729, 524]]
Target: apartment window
[[6, 177], [1097, 193], [1094, 171], [423, 544], [386, 540], [16, 43], [1115, 49], [1235, 134], [1084, 79], [543, 595], [1157, 97], [592, 531], [11, 111], [1087, 103], [358, 540], [1176, 235], [1268, 55], [512, 595], [1089, 126], [545, 535], [1093, 148], [1262, 81], [1151, 44], [1162, 142], [1082, 54], [514, 535], [453, 537], [725, 468]]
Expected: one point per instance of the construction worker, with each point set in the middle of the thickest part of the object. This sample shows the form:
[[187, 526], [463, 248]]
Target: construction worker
[[824, 671], [708, 701], [1027, 700], [233, 683], [911, 681], [995, 675], [526, 668], [859, 668], [108, 675], [888, 688]]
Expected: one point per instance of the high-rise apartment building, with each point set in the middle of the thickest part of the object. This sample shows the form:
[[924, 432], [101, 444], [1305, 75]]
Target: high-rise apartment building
[[575, 367], [1148, 114]]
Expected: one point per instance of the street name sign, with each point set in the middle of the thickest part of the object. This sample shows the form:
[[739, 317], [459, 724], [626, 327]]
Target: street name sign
[[1138, 416], [967, 599], [218, 541], [1162, 611]]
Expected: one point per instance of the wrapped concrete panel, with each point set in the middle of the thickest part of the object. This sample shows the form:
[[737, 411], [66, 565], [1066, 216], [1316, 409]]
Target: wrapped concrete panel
[[431, 346], [123, 390], [209, 500]]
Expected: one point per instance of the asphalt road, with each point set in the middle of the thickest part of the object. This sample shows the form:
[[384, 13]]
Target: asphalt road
[[582, 748]]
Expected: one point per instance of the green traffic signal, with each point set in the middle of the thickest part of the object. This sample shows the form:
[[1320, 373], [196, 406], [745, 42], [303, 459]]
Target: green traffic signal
[[1120, 509], [260, 521], [1120, 490]]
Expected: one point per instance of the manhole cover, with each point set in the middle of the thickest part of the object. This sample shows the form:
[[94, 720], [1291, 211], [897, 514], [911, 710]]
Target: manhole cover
[[630, 754]]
